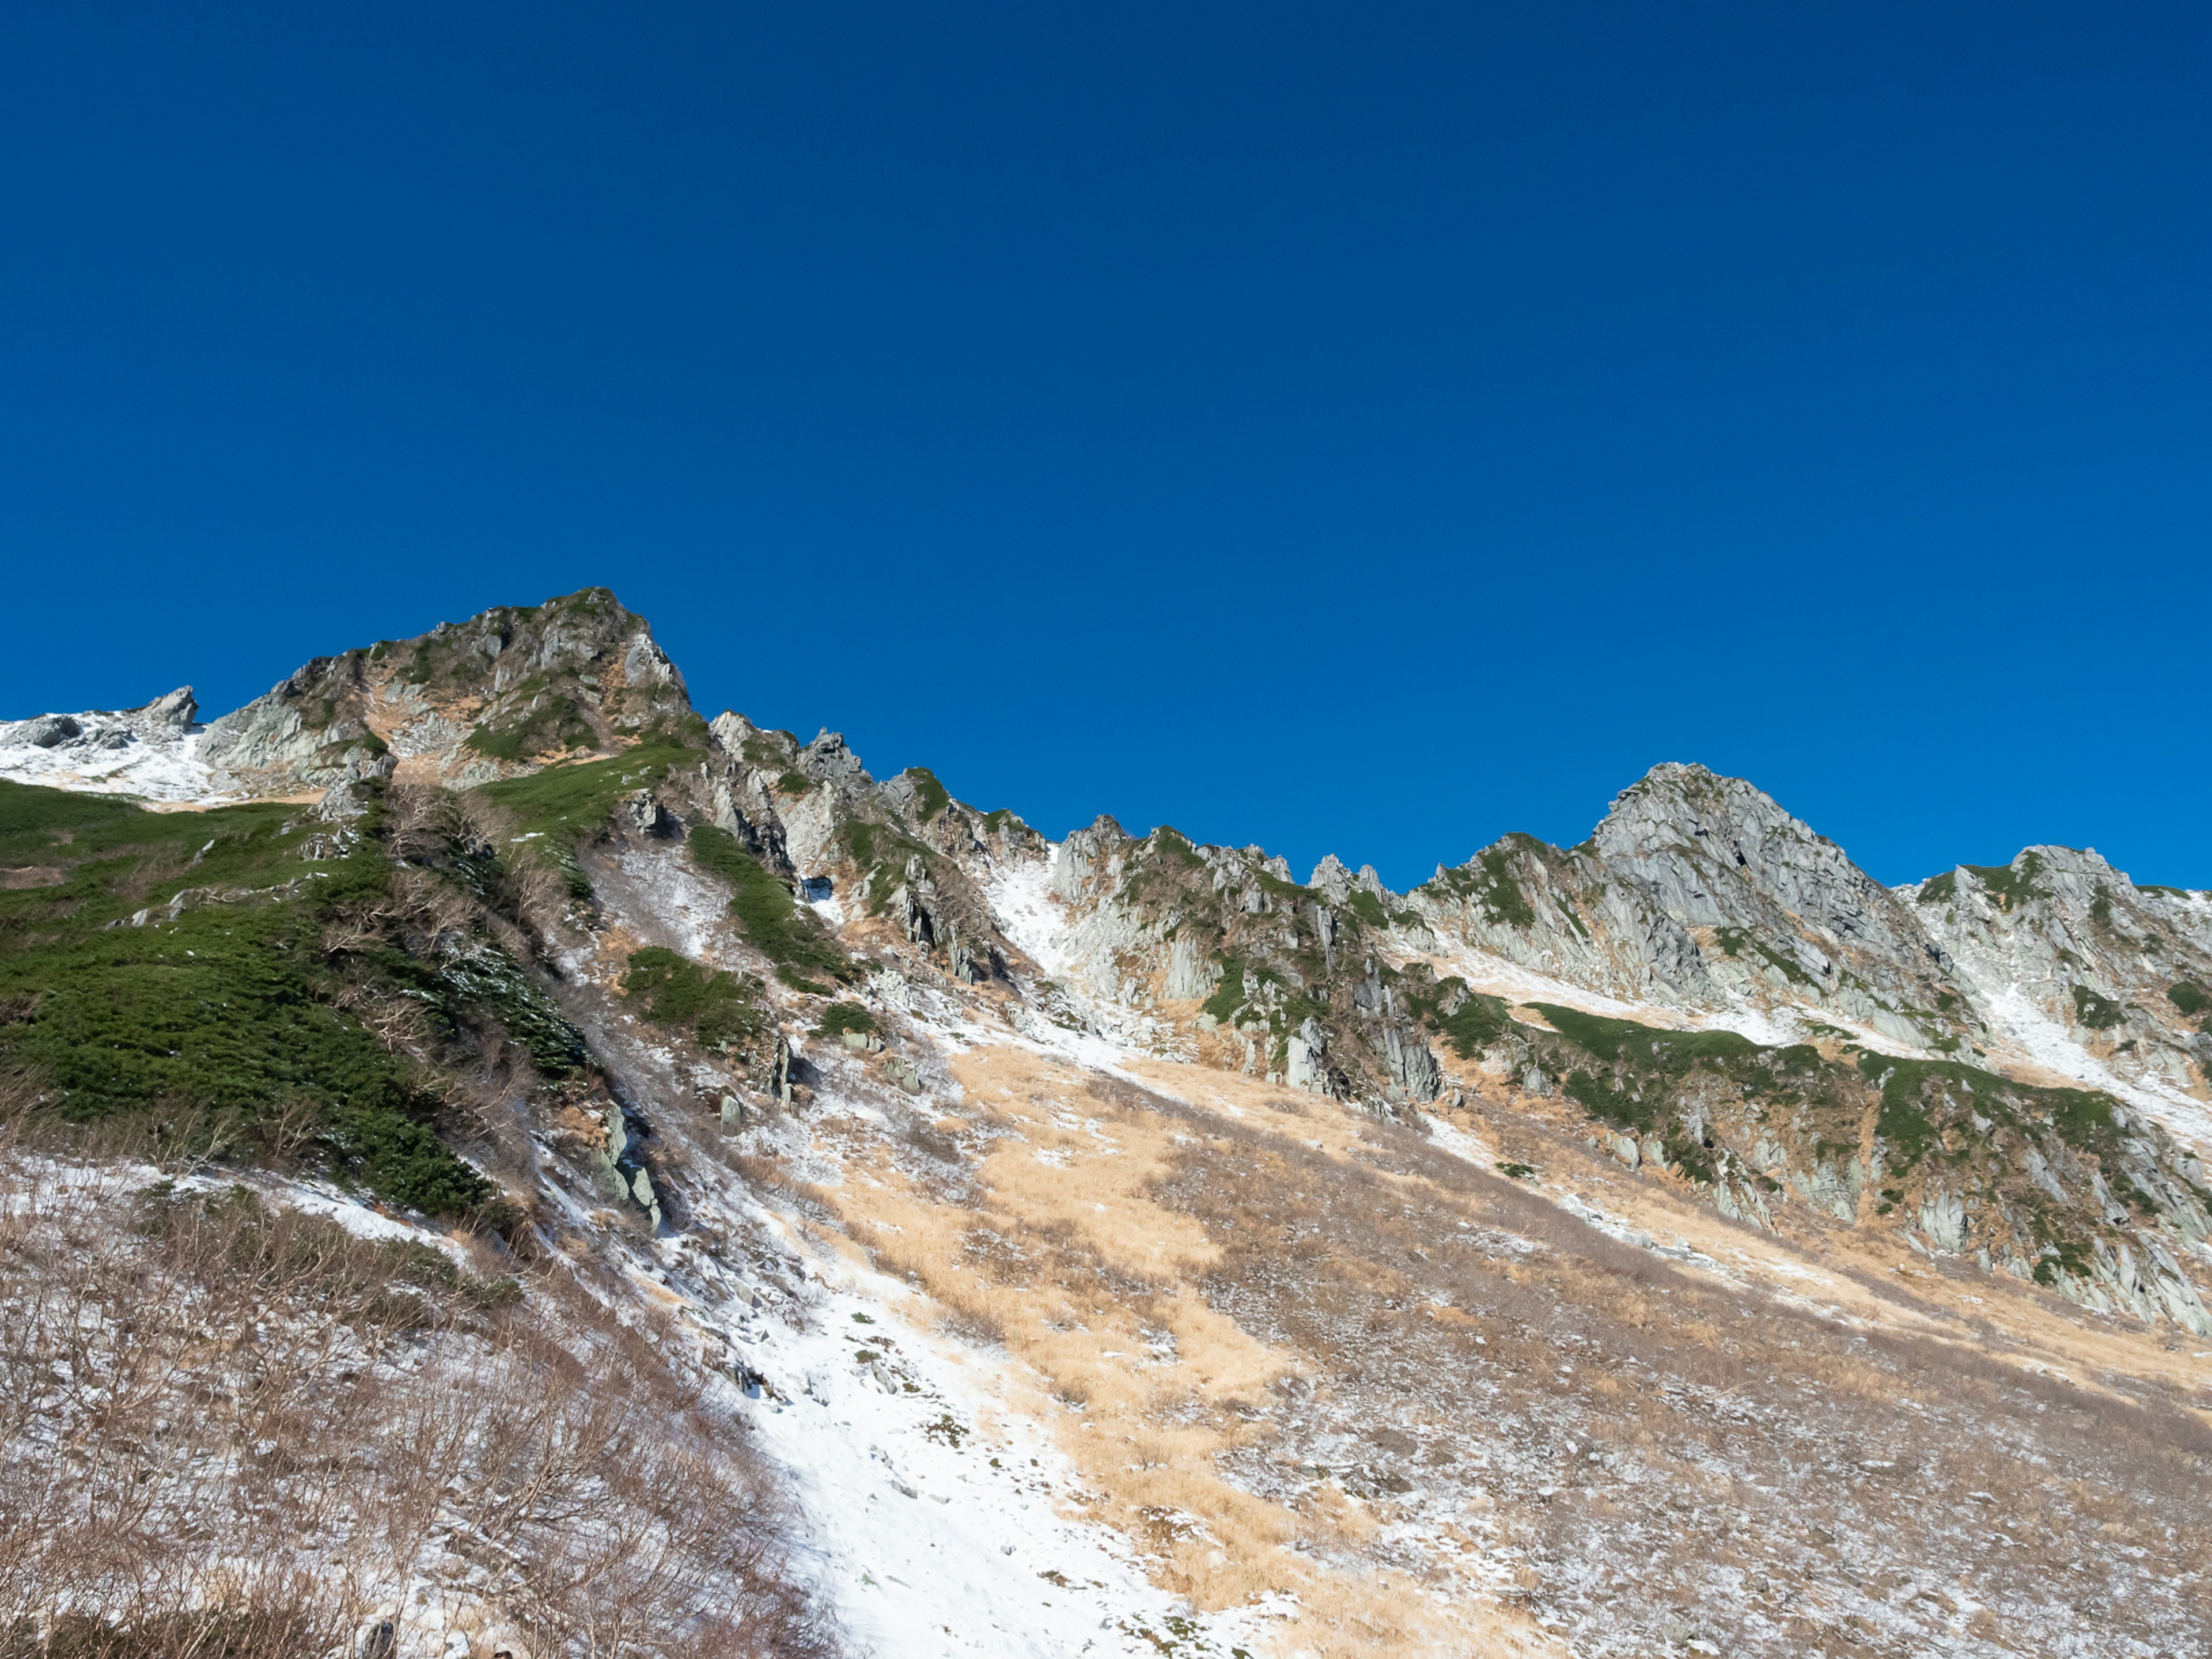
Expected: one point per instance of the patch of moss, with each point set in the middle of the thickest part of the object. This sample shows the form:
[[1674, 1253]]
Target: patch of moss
[[793, 783], [2191, 999], [2010, 884], [1228, 995], [935, 797], [840, 1018], [776, 925], [2097, 1013], [670, 990]]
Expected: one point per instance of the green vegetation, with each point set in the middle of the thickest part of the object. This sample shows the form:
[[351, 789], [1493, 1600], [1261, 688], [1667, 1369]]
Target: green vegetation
[[1500, 894], [1940, 889], [1172, 843], [488, 981], [1644, 1072], [1625, 1040], [2096, 1012], [776, 923], [1487, 879], [1228, 996], [2152, 887], [1271, 883], [2191, 999], [2082, 1119], [840, 1018], [1475, 1024], [222, 1022], [935, 797], [1369, 909], [2010, 884], [1472, 1026], [793, 783], [549, 724], [1515, 1171], [670, 990], [880, 852], [562, 805], [2102, 911]]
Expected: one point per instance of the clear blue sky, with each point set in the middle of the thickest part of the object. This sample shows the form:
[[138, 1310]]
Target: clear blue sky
[[1364, 428]]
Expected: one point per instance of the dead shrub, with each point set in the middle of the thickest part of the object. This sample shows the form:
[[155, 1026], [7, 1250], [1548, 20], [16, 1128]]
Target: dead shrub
[[226, 1428]]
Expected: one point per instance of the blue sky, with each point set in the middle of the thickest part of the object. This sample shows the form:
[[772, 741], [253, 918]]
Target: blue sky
[[1363, 428]]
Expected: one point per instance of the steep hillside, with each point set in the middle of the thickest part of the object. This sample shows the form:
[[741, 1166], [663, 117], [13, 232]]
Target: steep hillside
[[1677, 1242]]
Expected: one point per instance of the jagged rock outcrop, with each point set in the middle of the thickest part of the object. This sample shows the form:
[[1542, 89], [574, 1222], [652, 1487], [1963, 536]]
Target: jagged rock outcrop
[[2059, 941], [903, 854], [1698, 891], [150, 751], [466, 703]]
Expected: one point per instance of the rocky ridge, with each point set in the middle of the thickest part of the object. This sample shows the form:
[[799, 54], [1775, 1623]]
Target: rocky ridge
[[677, 968]]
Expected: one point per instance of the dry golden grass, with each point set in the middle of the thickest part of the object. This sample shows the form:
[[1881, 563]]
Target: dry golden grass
[[1271, 1321], [1054, 1246]]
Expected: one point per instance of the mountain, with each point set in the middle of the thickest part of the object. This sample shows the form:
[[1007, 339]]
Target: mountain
[[1678, 1242]]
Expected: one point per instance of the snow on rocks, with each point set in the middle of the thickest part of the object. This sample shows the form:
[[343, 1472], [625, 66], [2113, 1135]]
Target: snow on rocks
[[152, 751]]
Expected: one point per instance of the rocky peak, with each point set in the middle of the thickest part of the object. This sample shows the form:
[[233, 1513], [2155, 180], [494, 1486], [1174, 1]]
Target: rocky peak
[[178, 710], [1332, 879], [1716, 851], [2088, 950], [828, 761], [503, 693]]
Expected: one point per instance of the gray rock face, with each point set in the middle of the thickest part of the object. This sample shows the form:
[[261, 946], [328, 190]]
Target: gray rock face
[[2091, 955], [1696, 891], [178, 711], [642, 815], [1191, 975], [466, 703], [1309, 1049], [1943, 1218], [814, 813], [1412, 1065]]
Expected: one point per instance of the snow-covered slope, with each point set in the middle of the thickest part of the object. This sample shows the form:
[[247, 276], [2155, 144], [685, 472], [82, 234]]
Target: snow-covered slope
[[152, 751]]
